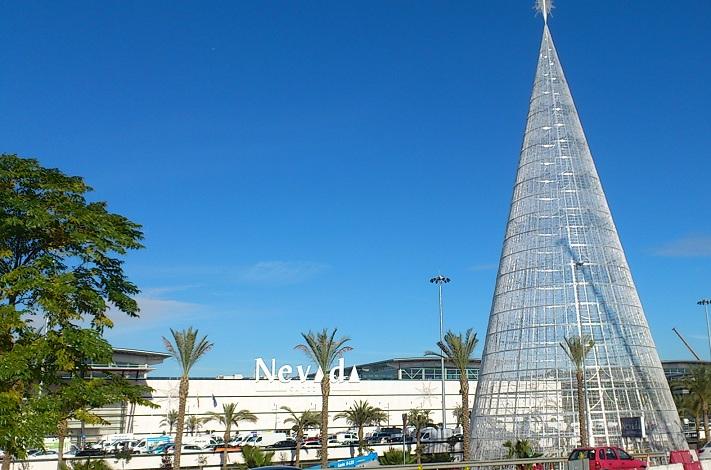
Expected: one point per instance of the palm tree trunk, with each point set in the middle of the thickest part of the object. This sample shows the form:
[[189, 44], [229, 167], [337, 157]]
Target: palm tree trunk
[[580, 377], [299, 440], [182, 400], [697, 424], [360, 440], [226, 438], [61, 434], [464, 390], [7, 459], [325, 392]]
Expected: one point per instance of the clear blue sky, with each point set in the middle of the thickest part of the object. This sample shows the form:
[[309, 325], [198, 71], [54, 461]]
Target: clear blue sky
[[306, 164]]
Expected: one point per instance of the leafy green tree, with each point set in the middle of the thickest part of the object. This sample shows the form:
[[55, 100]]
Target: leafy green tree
[[324, 348], [229, 417], [577, 348], [420, 419], [395, 457], [255, 457], [61, 273], [361, 414], [171, 417], [698, 385], [301, 422], [458, 349], [187, 349], [521, 449]]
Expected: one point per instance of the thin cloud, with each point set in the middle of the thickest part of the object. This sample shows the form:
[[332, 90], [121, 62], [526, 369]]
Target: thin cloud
[[688, 246], [154, 310], [483, 267], [280, 272]]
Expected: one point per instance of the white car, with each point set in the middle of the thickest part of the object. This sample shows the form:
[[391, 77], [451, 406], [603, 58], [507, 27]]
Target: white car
[[187, 449], [705, 452], [43, 454]]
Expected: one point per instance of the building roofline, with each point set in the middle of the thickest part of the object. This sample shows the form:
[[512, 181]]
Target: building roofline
[[142, 352]]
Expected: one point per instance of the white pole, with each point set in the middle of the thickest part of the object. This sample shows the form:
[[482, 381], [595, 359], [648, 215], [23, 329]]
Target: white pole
[[441, 339]]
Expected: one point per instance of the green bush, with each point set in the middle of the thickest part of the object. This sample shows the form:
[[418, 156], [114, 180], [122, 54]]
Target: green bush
[[88, 464], [436, 457], [394, 457], [255, 457]]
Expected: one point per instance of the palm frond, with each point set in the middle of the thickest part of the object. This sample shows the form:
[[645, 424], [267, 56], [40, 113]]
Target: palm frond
[[186, 349], [577, 348], [323, 348], [457, 348]]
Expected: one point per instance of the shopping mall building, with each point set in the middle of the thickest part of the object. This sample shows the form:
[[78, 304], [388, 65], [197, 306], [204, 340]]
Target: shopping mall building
[[394, 385]]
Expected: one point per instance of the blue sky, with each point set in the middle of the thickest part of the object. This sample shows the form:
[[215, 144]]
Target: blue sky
[[299, 165]]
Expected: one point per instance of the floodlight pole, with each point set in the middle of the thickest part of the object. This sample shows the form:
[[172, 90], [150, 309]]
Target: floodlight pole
[[440, 281], [706, 303]]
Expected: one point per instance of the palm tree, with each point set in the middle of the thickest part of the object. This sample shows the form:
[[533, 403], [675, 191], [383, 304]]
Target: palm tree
[[171, 417], [323, 348], [458, 349], [230, 416], [362, 414], [420, 419], [698, 383], [521, 449], [577, 349], [187, 350], [193, 424], [255, 457], [300, 424]]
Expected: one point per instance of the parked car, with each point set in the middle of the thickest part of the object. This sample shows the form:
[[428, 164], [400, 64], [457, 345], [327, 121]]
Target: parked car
[[89, 452], [42, 454], [346, 437], [705, 452], [147, 444], [161, 448], [607, 458], [379, 437], [397, 438], [285, 444], [317, 442], [264, 439], [127, 445]]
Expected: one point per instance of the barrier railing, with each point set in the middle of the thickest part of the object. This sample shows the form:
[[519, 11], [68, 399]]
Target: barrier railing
[[542, 463]]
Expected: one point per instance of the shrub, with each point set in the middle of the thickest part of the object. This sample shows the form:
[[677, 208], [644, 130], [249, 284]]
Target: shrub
[[437, 457], [88, 464], [255, 457], [394, 457]]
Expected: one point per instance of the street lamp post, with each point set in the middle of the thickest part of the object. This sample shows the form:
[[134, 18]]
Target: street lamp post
[[404, 433], [706, 303], [440, 281]]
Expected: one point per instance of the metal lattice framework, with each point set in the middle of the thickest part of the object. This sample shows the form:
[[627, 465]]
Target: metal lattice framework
[[563, 273]]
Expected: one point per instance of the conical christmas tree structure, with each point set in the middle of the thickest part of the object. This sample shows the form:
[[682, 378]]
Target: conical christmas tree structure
[[563, 274]]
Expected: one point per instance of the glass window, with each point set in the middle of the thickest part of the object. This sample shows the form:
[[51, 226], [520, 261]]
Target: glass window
[[623, 455], [601, 454], [610, 454]]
